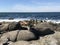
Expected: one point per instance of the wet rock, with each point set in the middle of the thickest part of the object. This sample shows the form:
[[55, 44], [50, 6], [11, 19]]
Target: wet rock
[[25, 35], [11, 18]]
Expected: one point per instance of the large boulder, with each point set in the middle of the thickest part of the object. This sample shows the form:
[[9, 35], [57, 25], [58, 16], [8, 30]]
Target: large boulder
[[18, 35], [34, 42], [20, 43], [3, 27], [53, 39], [14, 26], [48, 40], [3, 40], [44, 28], [57, 37], [25, 35], [58, 27], [11, 36], [25, 43]]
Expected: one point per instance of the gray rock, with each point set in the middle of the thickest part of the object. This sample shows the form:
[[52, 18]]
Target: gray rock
[[3, 39], [48, 40], [25, 35], [10, 43], [14, 26], [53, 39], [43, 26], [34, 42], [20, 43], [10, 35], [19, 35], [3, 27]]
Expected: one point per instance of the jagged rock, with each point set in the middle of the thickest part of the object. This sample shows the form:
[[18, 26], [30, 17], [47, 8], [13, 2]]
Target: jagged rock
[[25, 35], [20, 43]]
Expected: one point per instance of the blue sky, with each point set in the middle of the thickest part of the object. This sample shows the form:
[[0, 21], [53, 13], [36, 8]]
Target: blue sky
[[29, 5]]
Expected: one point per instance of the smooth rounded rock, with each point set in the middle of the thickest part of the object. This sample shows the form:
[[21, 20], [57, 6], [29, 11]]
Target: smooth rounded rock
[[20, 43], [25, 35], [10, 35]]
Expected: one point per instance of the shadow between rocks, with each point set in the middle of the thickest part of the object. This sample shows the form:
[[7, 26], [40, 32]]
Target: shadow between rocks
[[5, 43], [39, 33]]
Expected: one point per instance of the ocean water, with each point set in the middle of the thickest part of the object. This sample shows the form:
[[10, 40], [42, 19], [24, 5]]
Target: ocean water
[[50, 16]]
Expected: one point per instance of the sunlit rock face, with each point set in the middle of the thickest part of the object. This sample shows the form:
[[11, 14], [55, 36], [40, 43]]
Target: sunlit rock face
[[20, 43], [25, 35], [3, 27], [43, 33]]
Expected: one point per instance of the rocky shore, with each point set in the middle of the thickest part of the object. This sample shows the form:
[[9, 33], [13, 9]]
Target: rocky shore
[[31, 32]]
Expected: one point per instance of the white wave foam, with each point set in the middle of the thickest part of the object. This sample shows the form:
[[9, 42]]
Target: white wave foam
[[53, 21], [14, 20], [22, 19]]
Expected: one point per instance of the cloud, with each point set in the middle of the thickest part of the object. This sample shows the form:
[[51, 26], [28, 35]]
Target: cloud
[[37, 6], [25, 8], [31, 6], [45, 3]]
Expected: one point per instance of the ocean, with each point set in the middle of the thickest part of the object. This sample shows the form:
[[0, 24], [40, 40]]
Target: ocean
[[55, 16]]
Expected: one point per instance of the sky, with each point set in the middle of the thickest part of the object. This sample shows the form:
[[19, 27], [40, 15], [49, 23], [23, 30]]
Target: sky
[[29, 5]]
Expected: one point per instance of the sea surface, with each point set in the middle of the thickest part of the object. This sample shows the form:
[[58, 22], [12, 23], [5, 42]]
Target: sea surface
[[50, 16]]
